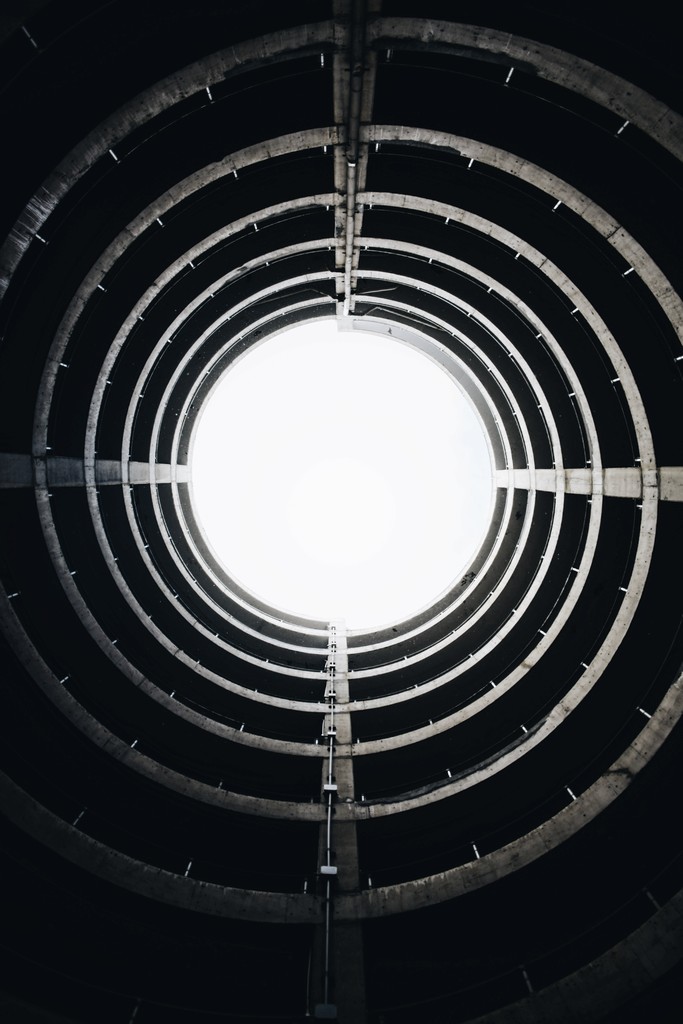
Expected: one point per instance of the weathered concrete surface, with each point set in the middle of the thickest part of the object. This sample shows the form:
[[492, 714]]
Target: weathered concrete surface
[[612, 481], [671, 483], [142, 109], [557, 189], [445, 885], [17, 470], [151, 882], [571, 291], [134, 758], [347, 978], [349, 973], [625, 482], [609, 981], [627, 101]]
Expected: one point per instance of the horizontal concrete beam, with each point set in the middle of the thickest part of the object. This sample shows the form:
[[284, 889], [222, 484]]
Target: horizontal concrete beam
[[613, 482], [671, 483], [16, 470]]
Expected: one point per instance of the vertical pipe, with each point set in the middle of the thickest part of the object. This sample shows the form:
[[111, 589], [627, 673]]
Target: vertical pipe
[[327, 943], [329, 829]]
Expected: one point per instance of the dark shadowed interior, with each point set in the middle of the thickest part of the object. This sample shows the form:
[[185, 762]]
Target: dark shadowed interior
[[218, 812]]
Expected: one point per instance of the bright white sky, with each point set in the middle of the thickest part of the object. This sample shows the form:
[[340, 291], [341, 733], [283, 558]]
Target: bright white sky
[[341, 475]]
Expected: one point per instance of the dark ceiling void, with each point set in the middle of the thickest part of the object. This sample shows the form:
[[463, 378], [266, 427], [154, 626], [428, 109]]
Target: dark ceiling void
[[215, 811]]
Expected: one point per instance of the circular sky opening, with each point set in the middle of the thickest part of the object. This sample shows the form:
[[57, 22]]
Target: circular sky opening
[[341, 475]]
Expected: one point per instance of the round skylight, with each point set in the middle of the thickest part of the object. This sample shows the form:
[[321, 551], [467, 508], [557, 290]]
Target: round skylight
[[341, 474]]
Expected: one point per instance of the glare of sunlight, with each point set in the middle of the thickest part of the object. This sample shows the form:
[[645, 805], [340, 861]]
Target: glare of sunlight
[[341, 474]]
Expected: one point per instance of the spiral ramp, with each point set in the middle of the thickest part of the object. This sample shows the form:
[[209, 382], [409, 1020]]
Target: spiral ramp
[[215, 811]]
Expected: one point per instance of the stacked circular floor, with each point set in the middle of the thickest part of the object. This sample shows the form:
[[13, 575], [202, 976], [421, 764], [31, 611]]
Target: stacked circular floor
[[502, 194]]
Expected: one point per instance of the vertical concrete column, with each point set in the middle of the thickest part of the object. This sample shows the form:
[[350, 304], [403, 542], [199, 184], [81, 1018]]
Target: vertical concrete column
[[346, 845], [339, 944], [355, 68]]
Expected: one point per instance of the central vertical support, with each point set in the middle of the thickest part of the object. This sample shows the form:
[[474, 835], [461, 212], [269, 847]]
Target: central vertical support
[[341, 993], [354, 81]]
